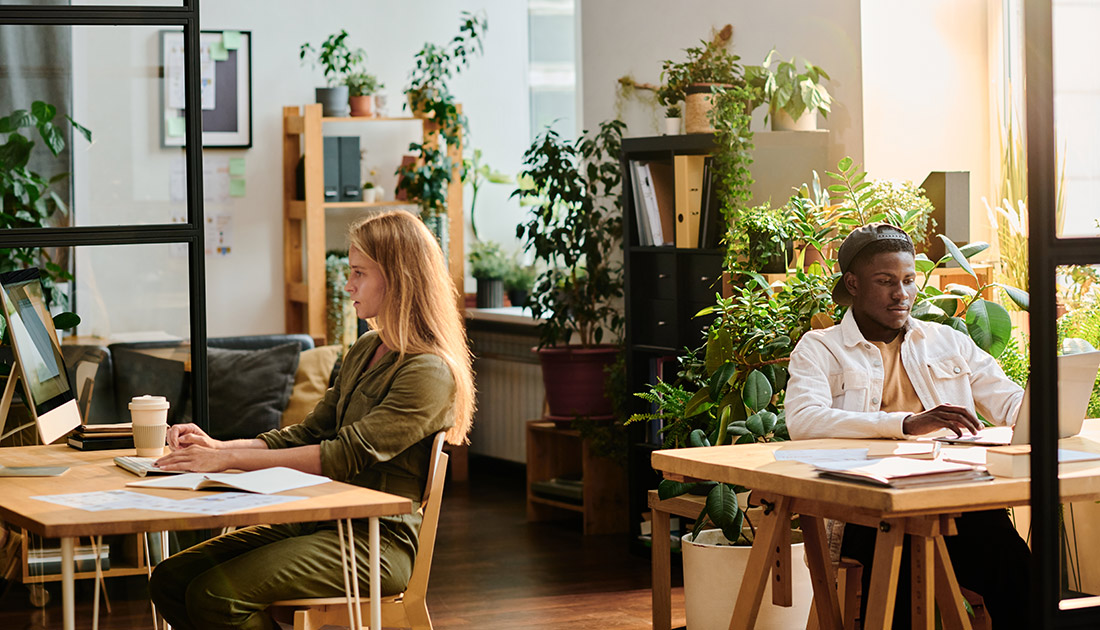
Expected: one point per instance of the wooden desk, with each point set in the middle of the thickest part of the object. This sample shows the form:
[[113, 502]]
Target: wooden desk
[[96, 471], [926, 513]]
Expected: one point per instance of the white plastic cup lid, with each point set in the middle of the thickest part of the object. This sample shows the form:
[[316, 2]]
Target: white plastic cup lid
[[148, 403]]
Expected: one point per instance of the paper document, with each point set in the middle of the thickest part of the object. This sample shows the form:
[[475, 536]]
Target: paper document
[[32, 471], [107, 500], [264, 481], [900, 472], [815, 455]]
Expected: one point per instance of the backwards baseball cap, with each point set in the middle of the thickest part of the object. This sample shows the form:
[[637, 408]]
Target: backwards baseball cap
[[854, 244]]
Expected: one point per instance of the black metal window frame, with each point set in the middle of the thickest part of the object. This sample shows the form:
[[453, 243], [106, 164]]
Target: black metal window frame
[[1046, 252], [191, 232]]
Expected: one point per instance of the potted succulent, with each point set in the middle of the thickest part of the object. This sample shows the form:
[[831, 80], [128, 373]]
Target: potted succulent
[[26, 198], [575, 234], [361, 89], [519, 281], [338, 61], [794, 98], [489, 266], [693, 79], [673, 120]]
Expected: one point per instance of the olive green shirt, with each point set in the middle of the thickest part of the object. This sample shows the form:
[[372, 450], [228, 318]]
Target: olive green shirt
[[375, 425]]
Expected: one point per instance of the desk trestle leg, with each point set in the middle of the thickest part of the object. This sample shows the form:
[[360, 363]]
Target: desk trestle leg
[[822, 575], [948, 595], [757, 570], [884, 575]]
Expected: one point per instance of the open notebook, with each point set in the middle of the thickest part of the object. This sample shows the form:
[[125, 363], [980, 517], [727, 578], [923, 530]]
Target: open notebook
[[263, 481]]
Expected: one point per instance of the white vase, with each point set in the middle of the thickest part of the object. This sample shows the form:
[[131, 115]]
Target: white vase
[[712, 579], [672, 126], [782, 121], [370, 195]]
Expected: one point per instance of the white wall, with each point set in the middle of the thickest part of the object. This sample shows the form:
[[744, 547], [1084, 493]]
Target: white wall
[[616, 41], [119, 99], [926, 91]]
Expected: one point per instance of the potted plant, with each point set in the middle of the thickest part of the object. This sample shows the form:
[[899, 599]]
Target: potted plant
[[425, 181], [370, 192], [692, 80], [673, 120], [477, 173], [489, 266], [26, 198], [338, 61], [575, 234], [361, 89], [813, 224], [761, 239], [794, 98], [435, 64], [519, 281]]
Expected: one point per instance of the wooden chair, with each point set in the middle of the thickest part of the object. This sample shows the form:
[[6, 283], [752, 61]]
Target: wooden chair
[[405, 610]]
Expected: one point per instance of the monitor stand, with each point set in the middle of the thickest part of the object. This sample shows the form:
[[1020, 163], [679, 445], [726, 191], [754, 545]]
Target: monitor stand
[[5, 402]]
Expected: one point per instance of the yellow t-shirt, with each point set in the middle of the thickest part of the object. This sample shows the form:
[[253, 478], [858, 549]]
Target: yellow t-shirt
[[897, 390]]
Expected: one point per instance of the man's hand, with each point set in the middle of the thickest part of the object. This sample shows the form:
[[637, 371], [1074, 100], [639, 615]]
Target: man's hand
[[197, 459], [184, 435], [951, 417]]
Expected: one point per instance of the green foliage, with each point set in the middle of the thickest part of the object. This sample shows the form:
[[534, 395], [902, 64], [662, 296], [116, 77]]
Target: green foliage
[[520, 277], [1014, 361], [362, 84], [732, 156], [426, 179], [905, 206], [711, 62], [784, 88], [1084, 323], [672, 111], [487, 261], [335, 57], [476, 173], [760, 235], [575, 233], [26, 198], [437, 64]]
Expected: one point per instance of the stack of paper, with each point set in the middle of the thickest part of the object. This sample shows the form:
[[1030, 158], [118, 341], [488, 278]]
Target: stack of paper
[[901, 472]]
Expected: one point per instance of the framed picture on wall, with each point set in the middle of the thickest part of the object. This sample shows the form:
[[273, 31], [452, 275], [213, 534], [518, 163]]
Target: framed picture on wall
[[225, 77]]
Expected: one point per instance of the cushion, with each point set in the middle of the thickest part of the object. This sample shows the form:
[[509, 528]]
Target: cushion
[[138, 373], [249, 389], [310, 382]]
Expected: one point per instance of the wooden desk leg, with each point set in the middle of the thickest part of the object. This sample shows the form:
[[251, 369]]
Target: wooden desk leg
[[780, 563], [757, 570], [948, 596], [884, 576], [922, 581], [68, 585], [826, 605], [662, 570]]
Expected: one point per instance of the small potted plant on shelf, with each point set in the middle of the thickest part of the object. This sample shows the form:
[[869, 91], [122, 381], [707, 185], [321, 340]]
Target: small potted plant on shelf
[[425, 181], [26, 200], [693, 79], [673, 120], [361, 88], [760, 239], [794, 98], [338, 61], [575, 236], [489, 266], [519, 281]]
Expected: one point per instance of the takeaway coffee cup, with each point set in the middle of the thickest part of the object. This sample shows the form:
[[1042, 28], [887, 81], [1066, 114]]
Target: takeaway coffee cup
[[149, 415]]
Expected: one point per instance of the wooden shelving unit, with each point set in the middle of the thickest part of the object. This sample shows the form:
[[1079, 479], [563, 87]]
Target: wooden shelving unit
[[304, 219], [554, 452], [127, 557]]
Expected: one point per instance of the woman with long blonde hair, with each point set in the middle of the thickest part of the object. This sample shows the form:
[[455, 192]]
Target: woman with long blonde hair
[[400, 384]]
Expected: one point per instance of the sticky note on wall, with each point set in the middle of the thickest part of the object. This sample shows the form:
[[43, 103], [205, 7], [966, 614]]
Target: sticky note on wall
[[236, 187], [231, 40], [236, 166]]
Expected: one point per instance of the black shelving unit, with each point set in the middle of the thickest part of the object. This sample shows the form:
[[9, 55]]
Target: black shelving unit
[[664, 287]]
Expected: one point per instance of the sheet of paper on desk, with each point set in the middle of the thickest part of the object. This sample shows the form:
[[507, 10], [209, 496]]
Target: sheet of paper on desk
[[815, 455], [225, 502], [107, 500], [32, 471]]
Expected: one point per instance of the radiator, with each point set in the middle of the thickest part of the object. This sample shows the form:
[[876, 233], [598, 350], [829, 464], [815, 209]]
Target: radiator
[[510, 392]]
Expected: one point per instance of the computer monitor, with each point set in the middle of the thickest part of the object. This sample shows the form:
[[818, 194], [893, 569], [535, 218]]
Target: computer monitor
[[38, 361]]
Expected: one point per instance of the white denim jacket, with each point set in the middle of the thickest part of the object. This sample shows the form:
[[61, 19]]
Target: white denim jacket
[[836, 381]]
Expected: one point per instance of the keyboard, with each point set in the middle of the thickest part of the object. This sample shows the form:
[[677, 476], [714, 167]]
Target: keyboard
[[142, 466]]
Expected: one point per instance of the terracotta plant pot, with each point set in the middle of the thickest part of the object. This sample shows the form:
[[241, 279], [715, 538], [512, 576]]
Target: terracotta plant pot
[[574, 378], [361, 105]]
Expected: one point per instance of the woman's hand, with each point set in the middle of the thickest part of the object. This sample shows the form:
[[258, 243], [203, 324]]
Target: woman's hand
[[197, 458], [184, 435]]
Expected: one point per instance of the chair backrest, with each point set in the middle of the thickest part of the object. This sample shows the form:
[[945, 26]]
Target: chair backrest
[[430, 505]]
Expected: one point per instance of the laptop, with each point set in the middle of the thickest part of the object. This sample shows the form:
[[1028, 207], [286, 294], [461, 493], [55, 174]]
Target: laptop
[[1076, 377]]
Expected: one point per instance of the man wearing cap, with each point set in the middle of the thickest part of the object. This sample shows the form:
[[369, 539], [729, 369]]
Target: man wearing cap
[[882, 374]]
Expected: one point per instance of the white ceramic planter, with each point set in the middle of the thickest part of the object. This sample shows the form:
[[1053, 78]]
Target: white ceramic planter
[[672, 126], [782, 121], [712, 578]]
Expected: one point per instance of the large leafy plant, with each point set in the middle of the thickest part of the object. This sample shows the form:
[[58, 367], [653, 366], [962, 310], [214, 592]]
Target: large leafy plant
[[27, 198], [785, 88], [712, 62], [575, 233], [337, 60]]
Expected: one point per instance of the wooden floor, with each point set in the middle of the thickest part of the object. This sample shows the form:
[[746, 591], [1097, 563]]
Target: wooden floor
[[491, 570]]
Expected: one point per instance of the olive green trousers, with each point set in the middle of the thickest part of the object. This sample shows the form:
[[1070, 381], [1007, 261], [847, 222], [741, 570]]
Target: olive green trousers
[[229, 581]]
